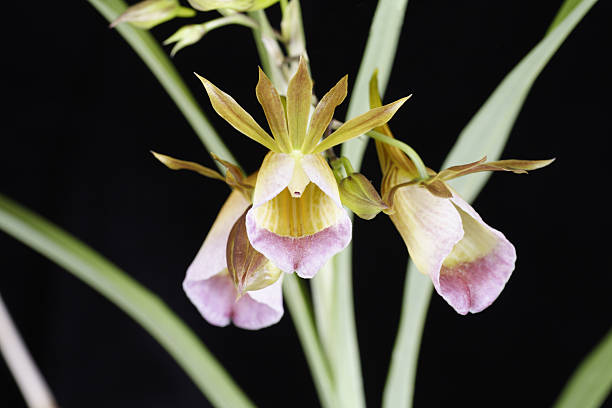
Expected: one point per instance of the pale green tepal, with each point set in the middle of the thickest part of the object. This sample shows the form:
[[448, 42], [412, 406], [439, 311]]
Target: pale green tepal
[[149, 13]]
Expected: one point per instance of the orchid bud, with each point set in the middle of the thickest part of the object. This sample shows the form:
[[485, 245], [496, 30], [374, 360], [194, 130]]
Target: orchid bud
[[237, 5], [149, 13], [248, 268], [358, 194], [192, 33]]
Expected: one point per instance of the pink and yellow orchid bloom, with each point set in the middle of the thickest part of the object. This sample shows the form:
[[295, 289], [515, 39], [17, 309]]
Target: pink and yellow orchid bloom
[[228, 280], [297, 220], [468, 262], [211, 289]]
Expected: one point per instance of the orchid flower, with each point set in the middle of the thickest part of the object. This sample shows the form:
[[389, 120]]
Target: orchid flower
[[297, 220], [250, 298], [468, 262]]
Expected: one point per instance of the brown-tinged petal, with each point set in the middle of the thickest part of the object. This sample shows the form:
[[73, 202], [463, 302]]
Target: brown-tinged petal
[[233, 113], [388, 156], [360, 125], [513, 165], [275, 113], [249, 269], [438, 188], [299, 96], [210, 288], [324, 113], [177, 164]]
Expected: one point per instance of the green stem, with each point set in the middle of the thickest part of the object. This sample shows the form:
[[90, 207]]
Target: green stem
[[412, 154], [301, 311], [295, 294], [138, 302], [158, 62]]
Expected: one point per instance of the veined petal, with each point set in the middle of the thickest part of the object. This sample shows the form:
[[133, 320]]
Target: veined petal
[[513, 165], [259, 308], [476, 271], [324, 113], [233, 113], [210, 259], [429, 225], [360, 125], [305, 254], [275, 113], [388, 156], [299, 95], [274, 175], [300, 234]]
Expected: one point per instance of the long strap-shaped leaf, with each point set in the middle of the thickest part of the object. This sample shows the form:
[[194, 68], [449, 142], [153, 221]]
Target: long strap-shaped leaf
[[592, 381], [158, 62], [138, 302], [487, 132]]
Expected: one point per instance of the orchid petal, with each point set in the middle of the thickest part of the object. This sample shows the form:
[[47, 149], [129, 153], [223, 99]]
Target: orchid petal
[[210, 259], [259, 308], [213, 297], [177, 164], [323, 114], [236, 116], [513, 165], [360, 125], [388, 156], [274, 175], [429, 225], [319, 172], [275, 113], [476, 271], [299, 95], [306, 254]]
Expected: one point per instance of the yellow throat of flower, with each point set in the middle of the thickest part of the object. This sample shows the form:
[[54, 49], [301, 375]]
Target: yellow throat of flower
[[306, 214]]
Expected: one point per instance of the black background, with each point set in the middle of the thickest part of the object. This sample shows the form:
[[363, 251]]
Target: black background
[[82, 112]]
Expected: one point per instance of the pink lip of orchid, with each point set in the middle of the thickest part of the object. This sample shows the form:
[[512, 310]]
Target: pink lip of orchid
[[468, 262], [297, 219], [211, 289]]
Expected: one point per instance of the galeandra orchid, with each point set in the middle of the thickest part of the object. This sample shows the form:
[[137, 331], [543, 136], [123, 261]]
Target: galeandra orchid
[[297, 220], [228, 280], [468, 262]]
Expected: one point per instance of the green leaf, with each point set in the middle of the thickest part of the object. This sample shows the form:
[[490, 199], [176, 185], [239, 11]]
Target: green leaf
[[485, 134], [158, 62], [138, 302], [592, 381], [379, 54]]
